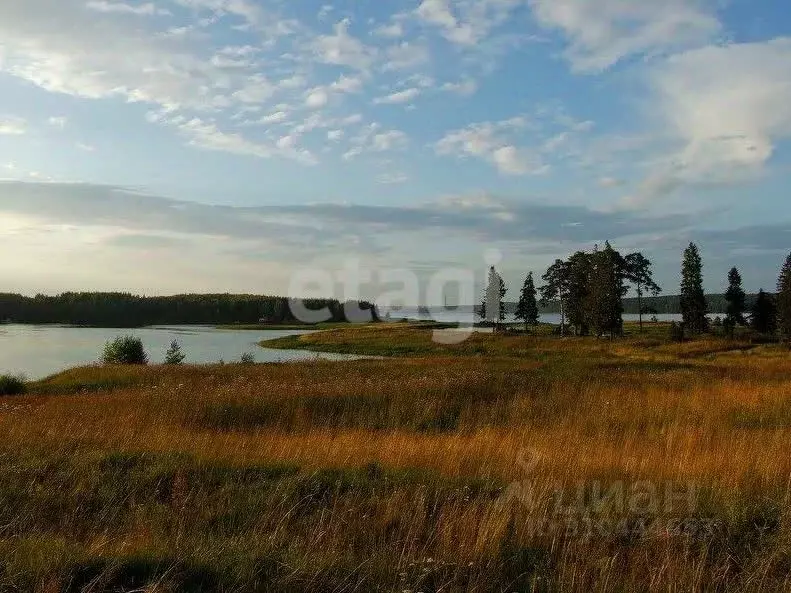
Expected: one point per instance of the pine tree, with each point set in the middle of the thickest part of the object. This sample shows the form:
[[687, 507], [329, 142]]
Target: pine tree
[[736, 299], [763, 314], [174, 355], [604, 299], [527, 308], [577, 285], [556, 288], [638, 272], [693, 299], [492, 308], [503, 292], [784, 299]]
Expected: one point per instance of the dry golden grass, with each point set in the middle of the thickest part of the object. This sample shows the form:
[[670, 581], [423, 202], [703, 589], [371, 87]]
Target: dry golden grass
[[438, 472]]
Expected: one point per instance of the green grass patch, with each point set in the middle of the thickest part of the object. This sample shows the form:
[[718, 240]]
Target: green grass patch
[[91, 379]]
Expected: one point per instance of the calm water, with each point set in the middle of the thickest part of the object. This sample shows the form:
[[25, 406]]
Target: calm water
[[466, 316], [38, 351]]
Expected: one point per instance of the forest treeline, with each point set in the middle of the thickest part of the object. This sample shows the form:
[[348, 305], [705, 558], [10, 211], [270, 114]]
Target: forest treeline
[[127, 310]]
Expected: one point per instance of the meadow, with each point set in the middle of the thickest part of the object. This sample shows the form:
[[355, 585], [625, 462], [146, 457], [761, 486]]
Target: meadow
[[504, 463]]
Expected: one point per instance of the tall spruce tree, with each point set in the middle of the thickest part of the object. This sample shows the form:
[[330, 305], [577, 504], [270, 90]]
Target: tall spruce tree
[[527, 308], [604, 298], [784, 299], [556, 288], [763, 314], [493, 306], [578, 269], [736, 299], [638, 272], [693, 299]]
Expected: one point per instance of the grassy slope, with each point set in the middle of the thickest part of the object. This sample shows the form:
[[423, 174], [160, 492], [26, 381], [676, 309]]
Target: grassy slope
[[317, 326], [395, 475], [281, 326], [419, 340]]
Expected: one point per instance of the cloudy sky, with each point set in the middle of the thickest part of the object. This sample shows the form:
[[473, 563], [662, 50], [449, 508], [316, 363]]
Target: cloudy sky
[[219, 145]]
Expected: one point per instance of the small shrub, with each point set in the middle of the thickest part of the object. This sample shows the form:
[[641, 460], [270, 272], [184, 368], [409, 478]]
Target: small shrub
[[12, 385], [174, 355], [676, 332], [125, 350], [247, 358]]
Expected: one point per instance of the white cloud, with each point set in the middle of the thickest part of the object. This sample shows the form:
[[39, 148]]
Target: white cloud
[[437, 12], [347, 84], [238, 51], [58, 122], [603, 32], [12, 126], [352, 119], [389, 140], [147, 9], [245, 9], [317, 98], [404, 96], [374, 139], [406, 55], [256, 89], [297, 81], [492, 142], [609, 182], [85, 147], [63, 47], [464, 88], [342, 49], [274, 118], [241, 64], [723, 109], [466, 22], [392, 178], [508, 159], [287, 142], [206, 135], [729, 104], [421, 80], [391, 31]]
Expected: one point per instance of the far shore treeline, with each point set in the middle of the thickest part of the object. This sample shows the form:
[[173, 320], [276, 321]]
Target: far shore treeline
[[659, 305], [128, 310]]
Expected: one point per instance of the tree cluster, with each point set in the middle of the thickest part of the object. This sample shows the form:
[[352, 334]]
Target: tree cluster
[[590, 287], [768, 314]]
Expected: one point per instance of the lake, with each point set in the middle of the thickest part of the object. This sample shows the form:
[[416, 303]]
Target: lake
[[37, 351], [465, 315]]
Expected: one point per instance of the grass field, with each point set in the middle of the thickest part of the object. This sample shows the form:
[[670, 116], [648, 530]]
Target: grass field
[[481, 466]]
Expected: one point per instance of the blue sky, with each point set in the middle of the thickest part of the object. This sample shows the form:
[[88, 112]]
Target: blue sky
[[218, 145]]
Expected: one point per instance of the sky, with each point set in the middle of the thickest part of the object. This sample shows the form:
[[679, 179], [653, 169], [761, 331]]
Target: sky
[[171, 146]]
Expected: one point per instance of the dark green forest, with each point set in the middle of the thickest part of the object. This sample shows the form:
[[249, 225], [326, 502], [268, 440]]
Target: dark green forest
[[128, 310]]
